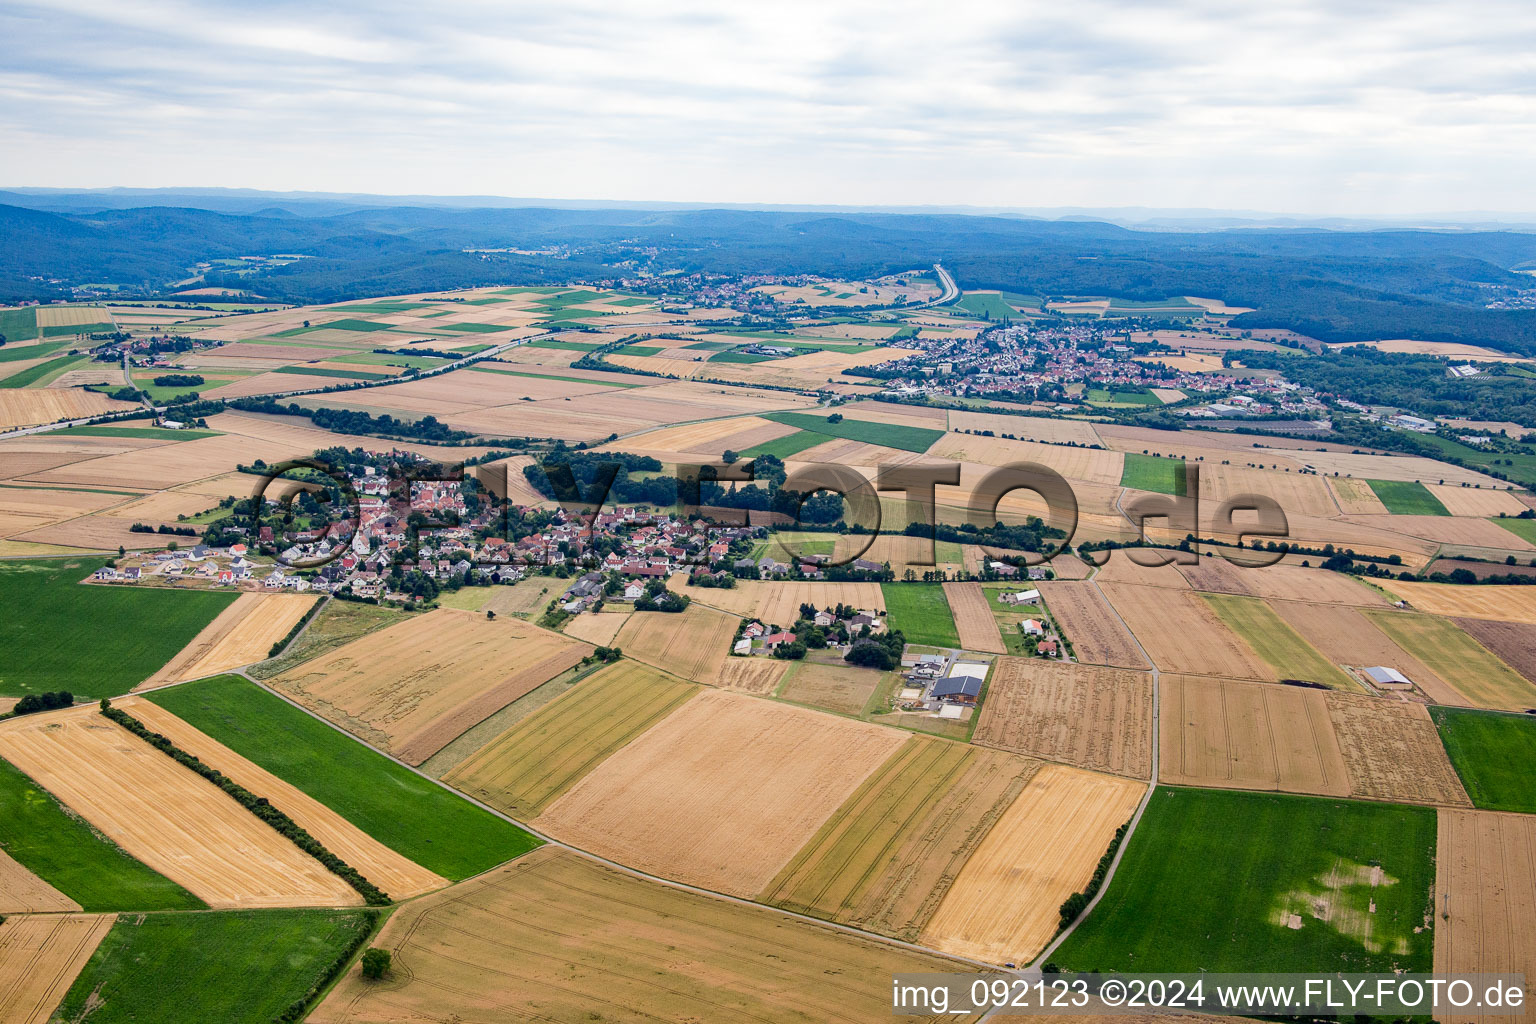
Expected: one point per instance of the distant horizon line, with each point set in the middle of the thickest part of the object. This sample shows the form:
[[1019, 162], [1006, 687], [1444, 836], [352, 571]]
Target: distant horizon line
[[1138, 213]]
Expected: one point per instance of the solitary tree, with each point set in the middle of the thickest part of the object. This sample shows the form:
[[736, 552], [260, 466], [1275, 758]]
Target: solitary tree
[[375, 963]]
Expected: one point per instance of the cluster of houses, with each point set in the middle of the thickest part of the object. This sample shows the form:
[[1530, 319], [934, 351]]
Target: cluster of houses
[[756, 638]]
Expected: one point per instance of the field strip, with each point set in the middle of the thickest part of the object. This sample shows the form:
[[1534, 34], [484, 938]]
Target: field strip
[[165, 815], [40, 958], [626, 869], [390, 871], [242, 634], [23, 892]]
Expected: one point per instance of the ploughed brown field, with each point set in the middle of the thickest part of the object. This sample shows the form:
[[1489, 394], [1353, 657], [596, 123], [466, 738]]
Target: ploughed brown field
[[412, 688], [553, 936], [722, 792], [1485, 880], [1513, 642], [1083, 715], [1097, 634]]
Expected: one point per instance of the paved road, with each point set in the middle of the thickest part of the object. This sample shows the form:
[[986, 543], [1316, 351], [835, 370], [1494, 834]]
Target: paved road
[[947, 282]]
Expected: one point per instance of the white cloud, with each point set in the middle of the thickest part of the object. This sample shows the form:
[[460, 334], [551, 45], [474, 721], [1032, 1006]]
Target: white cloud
[[1310, 107]]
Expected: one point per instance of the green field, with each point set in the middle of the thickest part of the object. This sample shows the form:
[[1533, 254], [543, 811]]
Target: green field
[[472, 328], [411, 815], [1098, 396], [19, 324], [1492, 752], [482, 368], [390, 359], [96, 641], [738, 357], [62, 850], [323, 371], [921, 612], [144, 433], [787, 446], [70, 330], [382, 307], [779, 544], [145, 382], [570, 313], [988, 304], [1276, 642], [1525, 529], [36, 374], [890, 435], [1150, 473], [1209, 879], [1519, 466], [13, 353], [1177, 302], [568, 346], [231, 966], [573, 298], [361, 326], [1407, 498]]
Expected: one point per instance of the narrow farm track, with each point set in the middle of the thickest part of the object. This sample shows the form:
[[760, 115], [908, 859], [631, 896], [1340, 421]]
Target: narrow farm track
[[682, 886], [1114, 864]]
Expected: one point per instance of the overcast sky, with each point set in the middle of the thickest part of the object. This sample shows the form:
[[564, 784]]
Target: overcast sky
[[1339, 107]]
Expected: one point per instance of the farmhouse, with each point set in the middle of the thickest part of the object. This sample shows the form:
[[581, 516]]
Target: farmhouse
[[958, 690], [1032, 627]]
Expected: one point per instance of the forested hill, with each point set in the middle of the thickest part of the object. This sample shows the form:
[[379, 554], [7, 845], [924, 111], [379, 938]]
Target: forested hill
[[1335, 285]]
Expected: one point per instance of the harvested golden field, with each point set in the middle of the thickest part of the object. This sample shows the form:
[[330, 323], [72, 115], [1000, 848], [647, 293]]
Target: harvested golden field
[[1029, 428], [531, 764], [1097, 634], [973, 618], [622, 948], [1346, 636], [888, 856], [22, 892], [243, 633], [523, 598], [162, 466], [752, 675], [1485, 880], [1394, 751], [1390, 467], [165, 815], [722, 792], [693, 643], [27, 407], [1082, 715], [1096, 465], [390, 871], [1506, 604], [69, 316], [779, 602], [1296, 493], [706, 440], [901, 551], [599, 628], [40, 958], [1238, 735], [836, 687], [1004, 906], [1483, 502], [1281, 582], [1121, 569], [1355, 497], [413, 687], [1181, 633], [1448, 530], [1460, 660]]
